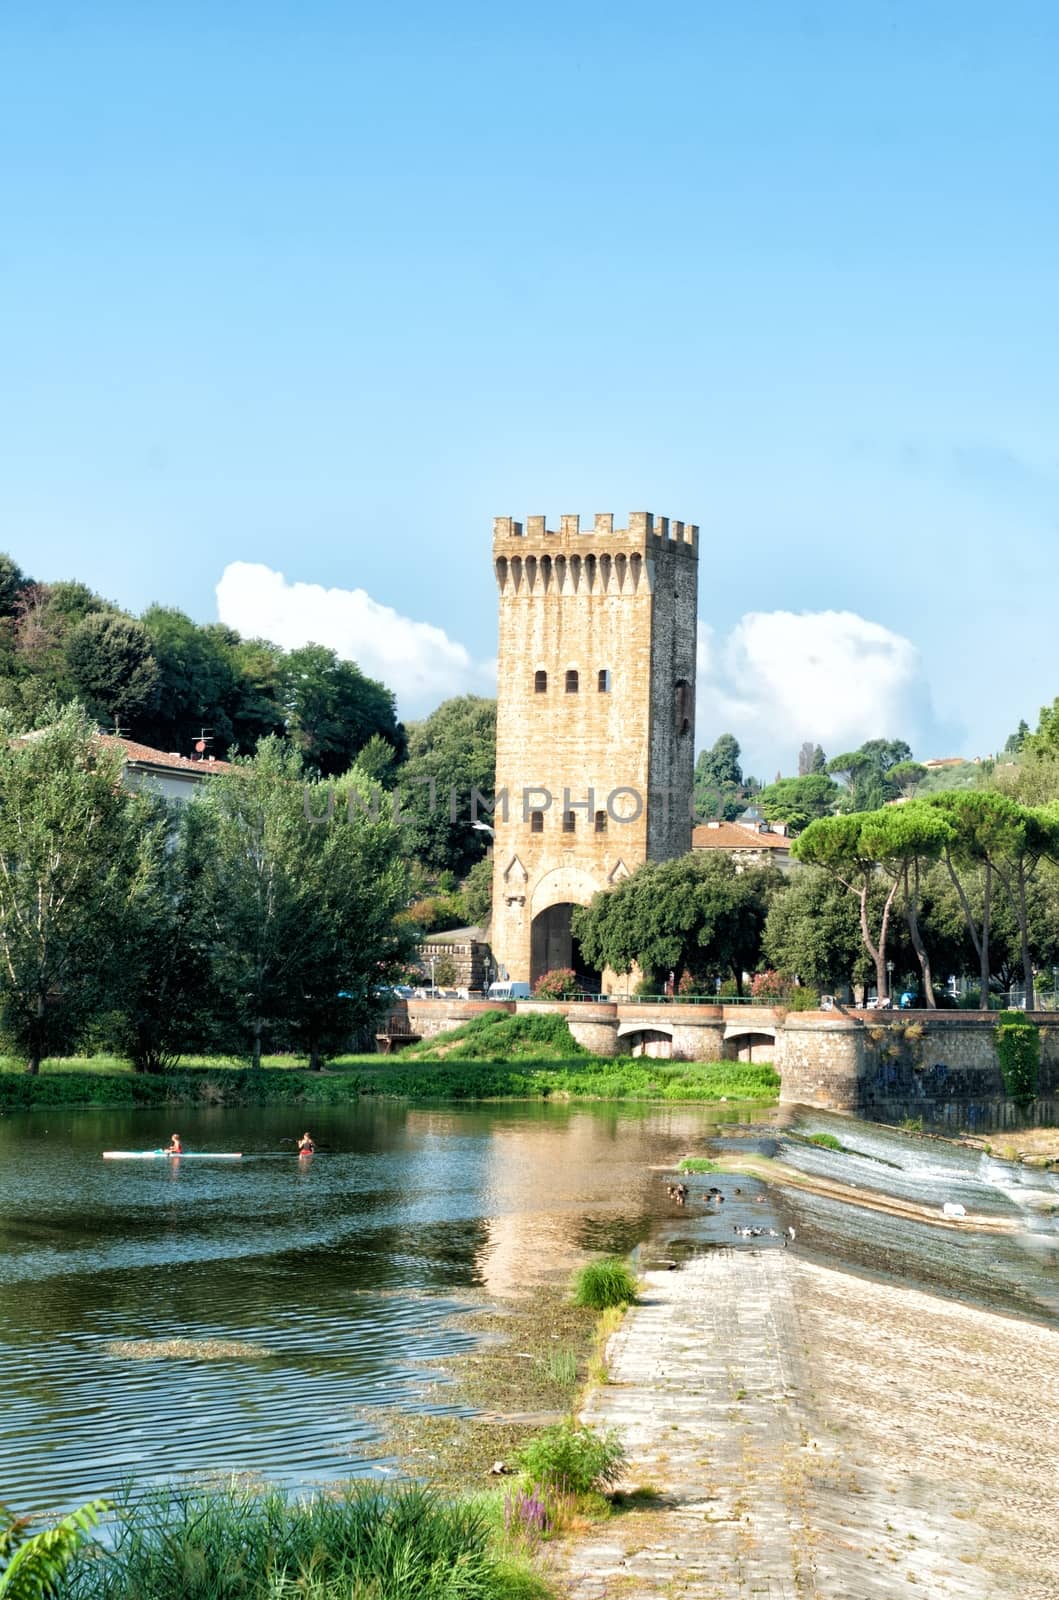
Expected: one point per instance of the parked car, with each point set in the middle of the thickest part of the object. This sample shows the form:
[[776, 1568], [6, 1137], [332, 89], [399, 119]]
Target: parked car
[[503, 989]]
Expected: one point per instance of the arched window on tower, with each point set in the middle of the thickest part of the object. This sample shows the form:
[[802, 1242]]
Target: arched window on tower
[[569, 822], [601, 822], [536, 822], [604, 680], [682, 705], [571, 680], [540, 683]]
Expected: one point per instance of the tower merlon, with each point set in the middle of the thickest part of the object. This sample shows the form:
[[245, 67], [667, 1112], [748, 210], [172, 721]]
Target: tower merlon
[[645, 531]]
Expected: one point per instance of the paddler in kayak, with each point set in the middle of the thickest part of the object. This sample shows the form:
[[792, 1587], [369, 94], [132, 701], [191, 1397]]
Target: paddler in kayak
[[306, 1146], [174, 1147]]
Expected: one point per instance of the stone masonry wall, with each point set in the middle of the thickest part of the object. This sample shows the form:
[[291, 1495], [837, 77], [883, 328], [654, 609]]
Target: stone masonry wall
[[616, 607]]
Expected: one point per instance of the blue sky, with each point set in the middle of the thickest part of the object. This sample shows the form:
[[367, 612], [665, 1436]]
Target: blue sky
[[323, 289]]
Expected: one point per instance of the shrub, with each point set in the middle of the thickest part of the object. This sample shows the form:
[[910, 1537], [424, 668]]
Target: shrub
[[1018, 1047], [605, 1283], [771, 985], [559, 984], [826, 1141], [573, 1460], [446, 972], [804, 998], [698, 1164]]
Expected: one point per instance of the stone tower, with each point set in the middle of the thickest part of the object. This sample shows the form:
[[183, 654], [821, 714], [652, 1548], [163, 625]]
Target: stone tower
[[595, 719]]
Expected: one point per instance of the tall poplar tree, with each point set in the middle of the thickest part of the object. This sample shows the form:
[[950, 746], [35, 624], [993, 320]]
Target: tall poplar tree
[[68, 859]]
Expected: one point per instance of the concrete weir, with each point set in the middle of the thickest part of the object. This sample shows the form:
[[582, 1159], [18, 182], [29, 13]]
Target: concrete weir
[[885, 1065], [794, 1452]]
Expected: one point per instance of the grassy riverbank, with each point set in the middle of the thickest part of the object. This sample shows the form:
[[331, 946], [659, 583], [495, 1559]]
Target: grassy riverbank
[[235, 1543], [95, 1082]]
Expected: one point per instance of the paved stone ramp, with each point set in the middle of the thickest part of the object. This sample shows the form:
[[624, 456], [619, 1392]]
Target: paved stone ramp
[[710, 1389]]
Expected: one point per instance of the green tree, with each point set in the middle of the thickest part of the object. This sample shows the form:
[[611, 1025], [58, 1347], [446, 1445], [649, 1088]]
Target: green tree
[[478, 893], [12, 581], [699, 914], [331, 710], [451, 753], [68, 852], [719, 787], [866, 773], [796, 802], [904, 840], [1015, 741], [813, 932], [379, 760], [112, 667], [978, 821], [167, 1003], [252, 705], [907, 776], [811, 759], [836, 845], [305, 886], [196, 683]]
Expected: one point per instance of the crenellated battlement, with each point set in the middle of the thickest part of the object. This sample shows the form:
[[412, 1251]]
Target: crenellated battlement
[[645, 532]]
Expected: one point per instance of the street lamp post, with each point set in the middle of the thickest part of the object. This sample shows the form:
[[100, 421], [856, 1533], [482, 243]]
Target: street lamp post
[[890, 981]]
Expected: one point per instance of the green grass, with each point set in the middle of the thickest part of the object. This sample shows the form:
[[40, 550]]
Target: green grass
[[603, 1284], [223, 1084], [404, 1543], [826, 1141], [698, 1164], [495, 1035], [560, 1367]]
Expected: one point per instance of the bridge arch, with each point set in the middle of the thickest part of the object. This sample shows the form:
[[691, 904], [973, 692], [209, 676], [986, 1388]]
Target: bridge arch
[[753, 1042]]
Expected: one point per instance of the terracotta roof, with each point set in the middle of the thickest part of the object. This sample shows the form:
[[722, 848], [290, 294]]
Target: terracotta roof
[[143, 755], [734, 836]]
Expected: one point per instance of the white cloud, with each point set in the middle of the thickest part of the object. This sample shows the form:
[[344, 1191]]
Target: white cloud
[[777, 678], [781, 677], [418, 661]]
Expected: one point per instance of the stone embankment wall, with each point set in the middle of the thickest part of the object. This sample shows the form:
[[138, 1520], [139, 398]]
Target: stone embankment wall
[[885, 1065]]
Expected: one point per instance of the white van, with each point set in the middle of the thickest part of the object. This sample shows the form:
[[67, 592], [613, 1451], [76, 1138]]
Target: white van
[[506, 990]]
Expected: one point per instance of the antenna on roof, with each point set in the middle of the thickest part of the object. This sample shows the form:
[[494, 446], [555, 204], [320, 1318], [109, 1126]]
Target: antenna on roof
[[202, 744], [119, 731]]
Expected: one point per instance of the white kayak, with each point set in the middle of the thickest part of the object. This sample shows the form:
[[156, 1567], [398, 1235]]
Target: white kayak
[[172, 1155]]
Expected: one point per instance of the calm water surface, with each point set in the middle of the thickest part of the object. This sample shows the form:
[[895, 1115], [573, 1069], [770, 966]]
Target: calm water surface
[[351, 1270], [347, 1269]]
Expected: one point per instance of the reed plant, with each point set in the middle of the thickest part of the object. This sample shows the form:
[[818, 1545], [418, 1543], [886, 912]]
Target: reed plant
[[236, 1543]]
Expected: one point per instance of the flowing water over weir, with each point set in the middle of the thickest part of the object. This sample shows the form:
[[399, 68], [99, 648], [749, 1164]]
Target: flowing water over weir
[[345, 1274]]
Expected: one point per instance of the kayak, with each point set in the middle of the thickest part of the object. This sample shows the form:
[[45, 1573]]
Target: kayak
[[172, 1155]]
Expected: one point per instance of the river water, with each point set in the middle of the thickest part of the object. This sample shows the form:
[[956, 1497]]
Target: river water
[[349, 1272]]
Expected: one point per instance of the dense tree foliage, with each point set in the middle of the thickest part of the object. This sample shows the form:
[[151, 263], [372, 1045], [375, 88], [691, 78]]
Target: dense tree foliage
[[68, 861], [813, 933], [266, 911], [700, 914], [867, 773], [305, 887], [451, 756], [795, 802], [166, 679], [720, 790]]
